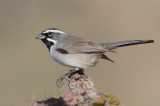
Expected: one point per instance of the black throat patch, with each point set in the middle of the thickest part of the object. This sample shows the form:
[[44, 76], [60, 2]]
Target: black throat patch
[[48, 43]]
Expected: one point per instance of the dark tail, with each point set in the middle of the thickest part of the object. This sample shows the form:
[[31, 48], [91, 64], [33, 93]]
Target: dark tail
[[114, 45]]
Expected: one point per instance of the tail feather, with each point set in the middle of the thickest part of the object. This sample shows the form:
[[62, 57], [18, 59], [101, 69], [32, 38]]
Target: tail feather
[[114, 45], [103, 56]]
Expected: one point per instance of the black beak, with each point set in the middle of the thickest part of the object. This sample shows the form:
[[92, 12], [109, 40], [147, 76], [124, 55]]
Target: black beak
[[40, 36]]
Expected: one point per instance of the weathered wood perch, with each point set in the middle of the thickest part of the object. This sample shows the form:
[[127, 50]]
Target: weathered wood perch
[[82, 93]]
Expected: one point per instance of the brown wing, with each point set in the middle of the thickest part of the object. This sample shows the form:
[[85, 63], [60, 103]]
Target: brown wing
[[73, 44]]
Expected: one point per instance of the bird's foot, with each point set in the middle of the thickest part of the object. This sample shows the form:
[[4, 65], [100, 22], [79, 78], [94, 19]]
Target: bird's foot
[[67, 76]]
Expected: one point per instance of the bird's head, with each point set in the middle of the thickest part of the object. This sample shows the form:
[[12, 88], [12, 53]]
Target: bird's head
[[51, 36]]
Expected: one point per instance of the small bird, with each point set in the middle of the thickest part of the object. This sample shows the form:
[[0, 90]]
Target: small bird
[[77, 52]]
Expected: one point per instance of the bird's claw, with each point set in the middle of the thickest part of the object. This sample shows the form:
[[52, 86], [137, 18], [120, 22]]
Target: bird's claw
[[67, 76], [60, 80]]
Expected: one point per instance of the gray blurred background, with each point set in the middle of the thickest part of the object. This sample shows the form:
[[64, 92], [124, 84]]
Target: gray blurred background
[[27, 71]]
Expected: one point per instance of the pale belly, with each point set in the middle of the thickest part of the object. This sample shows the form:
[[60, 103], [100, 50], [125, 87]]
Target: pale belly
[[75, 60]]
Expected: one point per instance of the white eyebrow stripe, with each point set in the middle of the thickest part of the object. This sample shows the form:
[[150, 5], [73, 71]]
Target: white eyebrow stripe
[[51, 40], [54, 31]]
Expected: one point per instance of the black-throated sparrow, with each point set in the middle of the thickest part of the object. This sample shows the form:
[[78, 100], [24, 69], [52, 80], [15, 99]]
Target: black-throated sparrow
[[76, 52]]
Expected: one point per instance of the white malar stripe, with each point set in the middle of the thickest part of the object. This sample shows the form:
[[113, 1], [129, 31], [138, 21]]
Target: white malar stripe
[[51, 40], [54, 31]]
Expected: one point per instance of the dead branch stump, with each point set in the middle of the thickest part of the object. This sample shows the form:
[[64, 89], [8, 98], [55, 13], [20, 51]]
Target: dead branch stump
[[82, 93]]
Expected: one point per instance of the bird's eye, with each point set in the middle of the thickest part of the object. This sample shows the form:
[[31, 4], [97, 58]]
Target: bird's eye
[[50, 34]]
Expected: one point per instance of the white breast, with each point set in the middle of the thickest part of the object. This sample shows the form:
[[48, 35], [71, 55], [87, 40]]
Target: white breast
[[74, 60]]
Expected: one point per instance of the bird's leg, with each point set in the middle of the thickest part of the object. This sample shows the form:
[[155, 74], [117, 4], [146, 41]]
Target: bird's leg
[[76, 70], [68, 76]]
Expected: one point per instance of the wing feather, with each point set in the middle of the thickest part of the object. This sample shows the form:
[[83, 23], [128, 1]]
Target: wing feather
[[73, 44]]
